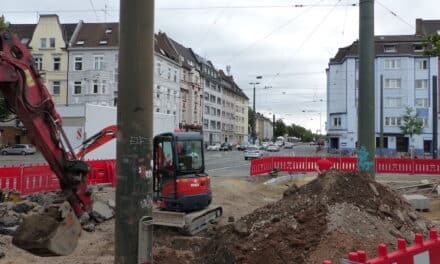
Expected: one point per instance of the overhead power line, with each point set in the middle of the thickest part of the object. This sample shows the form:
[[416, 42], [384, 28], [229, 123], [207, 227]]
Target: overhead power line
[[395, 14], [94, 9]]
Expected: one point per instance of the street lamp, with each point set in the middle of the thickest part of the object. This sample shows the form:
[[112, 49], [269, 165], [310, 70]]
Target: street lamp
[[304, 111], [254, 132]]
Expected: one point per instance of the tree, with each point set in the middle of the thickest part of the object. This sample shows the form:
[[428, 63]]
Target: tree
[[252, 123], [4, 113], [432, 46], [280, 128], [411, 125]]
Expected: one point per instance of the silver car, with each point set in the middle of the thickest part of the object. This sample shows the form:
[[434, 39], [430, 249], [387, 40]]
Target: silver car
[[253, 152], [19, 149]]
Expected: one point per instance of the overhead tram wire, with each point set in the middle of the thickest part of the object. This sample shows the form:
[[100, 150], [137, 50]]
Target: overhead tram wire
[[248, 47], [94, 9], [315, 29], [211, 25], [395, 14]]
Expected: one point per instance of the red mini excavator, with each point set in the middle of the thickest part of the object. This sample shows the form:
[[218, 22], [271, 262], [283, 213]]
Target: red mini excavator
[[182, 189]]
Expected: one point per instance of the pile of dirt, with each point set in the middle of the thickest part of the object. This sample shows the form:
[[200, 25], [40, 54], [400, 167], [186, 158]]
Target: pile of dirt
[[324, 219]]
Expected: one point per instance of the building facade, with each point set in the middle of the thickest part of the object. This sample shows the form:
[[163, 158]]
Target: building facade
[[49, 44], [407, 82], [93, 64], [191, 92], [264, 128]]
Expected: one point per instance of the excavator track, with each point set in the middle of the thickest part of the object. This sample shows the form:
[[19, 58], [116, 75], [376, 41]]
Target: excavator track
[[189, 223]]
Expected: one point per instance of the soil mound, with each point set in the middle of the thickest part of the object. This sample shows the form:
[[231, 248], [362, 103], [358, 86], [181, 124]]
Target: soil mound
[[324, 219]]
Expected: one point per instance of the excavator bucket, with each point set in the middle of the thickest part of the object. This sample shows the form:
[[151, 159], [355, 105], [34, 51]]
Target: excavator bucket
[[52, 233]]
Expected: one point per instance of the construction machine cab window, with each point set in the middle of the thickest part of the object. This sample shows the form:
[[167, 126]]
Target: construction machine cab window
[[189, 154]]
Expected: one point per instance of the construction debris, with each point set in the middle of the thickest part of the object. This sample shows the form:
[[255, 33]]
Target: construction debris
[[332, 215], [418, 201]]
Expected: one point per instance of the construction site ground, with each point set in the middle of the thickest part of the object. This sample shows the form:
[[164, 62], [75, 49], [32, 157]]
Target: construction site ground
[[239, 196]]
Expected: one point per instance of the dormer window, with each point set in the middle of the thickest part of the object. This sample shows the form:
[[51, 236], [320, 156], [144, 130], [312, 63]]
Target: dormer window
[[103, 42], [108, 31], [80, 42], [418, 48], [389, 48], [24, 41]]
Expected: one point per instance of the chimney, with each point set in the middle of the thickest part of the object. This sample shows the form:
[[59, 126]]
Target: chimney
[[228, 70], [419, 24]]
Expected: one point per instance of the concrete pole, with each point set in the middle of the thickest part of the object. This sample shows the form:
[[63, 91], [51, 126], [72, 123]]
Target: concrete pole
[[254, 130], [381, 144], [273, 128], [366, 132], [434, 118], [134, 191]]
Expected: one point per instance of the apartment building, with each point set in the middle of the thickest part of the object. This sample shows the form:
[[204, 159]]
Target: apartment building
[[407, 82], [264, 128], [93, 64]]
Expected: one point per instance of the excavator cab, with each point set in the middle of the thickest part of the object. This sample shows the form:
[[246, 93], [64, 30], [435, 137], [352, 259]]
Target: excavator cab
[[179, 179]]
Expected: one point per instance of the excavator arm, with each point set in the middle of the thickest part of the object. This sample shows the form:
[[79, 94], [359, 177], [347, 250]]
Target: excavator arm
[[28, 98]]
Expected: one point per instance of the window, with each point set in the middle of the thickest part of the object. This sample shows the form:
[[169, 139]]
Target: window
[[392, 83], [424, 121], [392, 64], [159, 70], [421, 84], [212, 124], [218, 125], [52, 42], [103, 86], [207, 110], [80, 42], [99, 62], [168, 112], [175, 76], [56, 85], [392, 102], [56, 63], [78, 61], [103, 42], [337, 122], [421, 103], [43, 43], [212, 99], [95, 87], [77, 87], [218, 112], [205, 123], [219, 101], [389, 48], [393, 121], [223, 113], [108, 31], [422, 64], [168, 93], [157, 110], [206, 96], [418, 48], [213, 110], [169, 73], [38, 63]]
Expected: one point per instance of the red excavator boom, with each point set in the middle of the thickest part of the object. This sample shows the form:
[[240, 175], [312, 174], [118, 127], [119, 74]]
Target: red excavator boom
[[27, 97]]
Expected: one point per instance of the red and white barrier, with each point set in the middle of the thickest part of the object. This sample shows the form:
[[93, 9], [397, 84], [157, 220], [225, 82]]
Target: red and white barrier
[[421, 252], [308, 164], [28, 179]]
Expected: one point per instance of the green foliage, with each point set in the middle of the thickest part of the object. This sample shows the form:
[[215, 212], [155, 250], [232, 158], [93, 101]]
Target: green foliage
[[4, 112], [432, 46], [280, 128], [411, 125], [251, 121], [3, 25]]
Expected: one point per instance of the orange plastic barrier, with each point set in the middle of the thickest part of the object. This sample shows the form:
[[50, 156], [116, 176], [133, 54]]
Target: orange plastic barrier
[[308, 164], [34, 178], [421, 252]]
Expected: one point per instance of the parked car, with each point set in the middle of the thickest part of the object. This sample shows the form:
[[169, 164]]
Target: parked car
[[19, 149], [288, 145], [242, 146], [225, 147], [253, 152], [273, 148], [214, 147]]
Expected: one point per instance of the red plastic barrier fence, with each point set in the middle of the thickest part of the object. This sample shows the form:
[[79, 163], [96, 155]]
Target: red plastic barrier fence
[[308, 164], [28, 179], [421, 252]]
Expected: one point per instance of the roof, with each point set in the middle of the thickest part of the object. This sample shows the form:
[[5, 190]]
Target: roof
[[427, 27], [163, 46], [23, 31], [233, 85], [404, 44], [185, 52], [97, 35], [68, 30]]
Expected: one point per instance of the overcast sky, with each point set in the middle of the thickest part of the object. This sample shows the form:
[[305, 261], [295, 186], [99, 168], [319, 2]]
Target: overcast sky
[[289, 46]]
